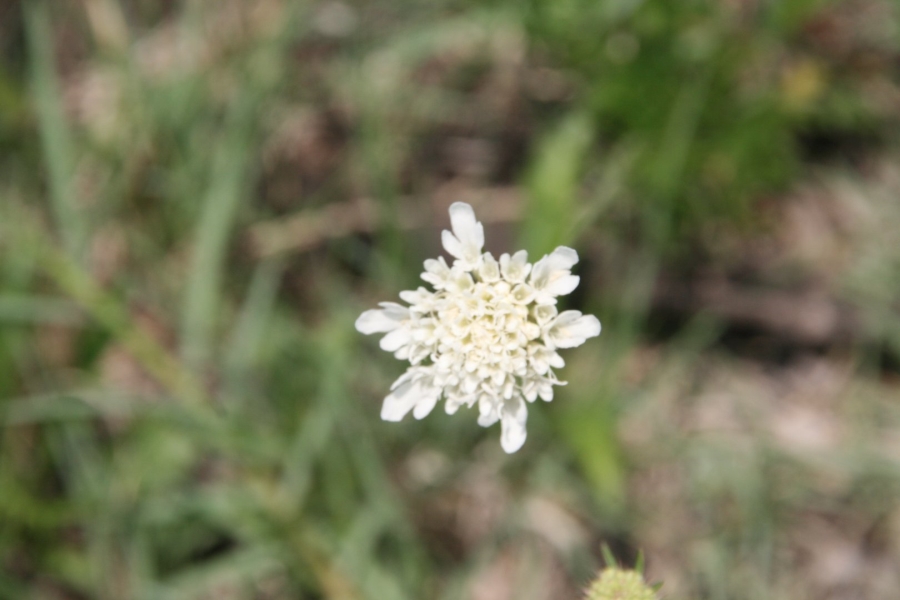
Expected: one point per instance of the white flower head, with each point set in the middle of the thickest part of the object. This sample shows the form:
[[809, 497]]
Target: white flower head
[[488, 334]]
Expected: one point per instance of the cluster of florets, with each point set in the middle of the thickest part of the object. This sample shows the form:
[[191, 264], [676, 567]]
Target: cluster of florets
[[486, 335]]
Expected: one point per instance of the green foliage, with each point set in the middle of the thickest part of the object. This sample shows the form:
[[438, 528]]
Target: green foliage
[[56, 142], [553, 184], [694, 85]]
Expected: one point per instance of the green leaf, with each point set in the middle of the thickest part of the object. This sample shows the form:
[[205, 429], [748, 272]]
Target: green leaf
[[58, 148], [553, 183], [229, 174]]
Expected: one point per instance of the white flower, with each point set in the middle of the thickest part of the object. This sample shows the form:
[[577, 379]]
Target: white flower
[[486, 335]]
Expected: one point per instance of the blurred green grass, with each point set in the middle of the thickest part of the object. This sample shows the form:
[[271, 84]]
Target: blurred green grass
[[186, 414]]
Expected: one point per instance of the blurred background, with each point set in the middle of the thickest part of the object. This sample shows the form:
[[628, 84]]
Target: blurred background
[[198, 198]]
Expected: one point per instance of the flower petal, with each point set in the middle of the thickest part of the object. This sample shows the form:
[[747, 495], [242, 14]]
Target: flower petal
[[489, 270], [563, 257], [515, 268], [406, 377], [400, 401], [395, 340], [487, 411], [466, 227], [452, 244], [523, 294], [451, 405], [417, 297], [467, 239], [556, 361], [570, 329], [436, 272], [553, 267], [544, 312], [514, 414], [382, 320], [562, 286], [426, 403]]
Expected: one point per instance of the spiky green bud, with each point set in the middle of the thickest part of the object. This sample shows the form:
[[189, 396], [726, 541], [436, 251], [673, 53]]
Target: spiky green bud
[[620, 584]]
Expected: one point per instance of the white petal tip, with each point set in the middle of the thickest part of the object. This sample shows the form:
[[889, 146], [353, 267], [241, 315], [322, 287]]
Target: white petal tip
[[424, 407], [512, 444], [567, 254], [592, 326], [461, 209], [368, 322], [392, 415]]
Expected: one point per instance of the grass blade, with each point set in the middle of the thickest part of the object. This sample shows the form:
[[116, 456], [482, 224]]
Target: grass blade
[[28, 308], [228, 179], [56, 141]]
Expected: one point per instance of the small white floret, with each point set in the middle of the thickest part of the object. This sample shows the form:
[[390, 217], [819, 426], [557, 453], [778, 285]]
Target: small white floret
[[552, 275], [571, 329], [515, 268], [467, 239]]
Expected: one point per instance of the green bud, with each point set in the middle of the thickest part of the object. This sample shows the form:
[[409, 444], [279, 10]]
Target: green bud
[[620, 584]]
